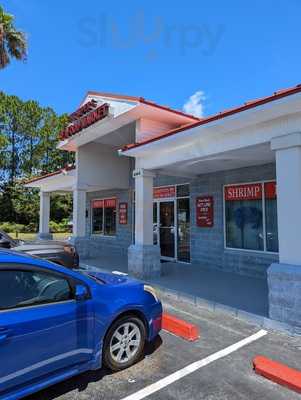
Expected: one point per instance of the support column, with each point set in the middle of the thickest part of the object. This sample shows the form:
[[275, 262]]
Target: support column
[[44, 216], [144, 256], [79, 212], [284, 278]]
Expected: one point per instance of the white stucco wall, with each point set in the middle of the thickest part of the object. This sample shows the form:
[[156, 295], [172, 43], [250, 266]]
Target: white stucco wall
[[100, 167]]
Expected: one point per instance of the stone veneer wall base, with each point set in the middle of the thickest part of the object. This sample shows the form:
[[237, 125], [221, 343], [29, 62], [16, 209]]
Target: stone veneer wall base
[[144, 260], [284, 283]]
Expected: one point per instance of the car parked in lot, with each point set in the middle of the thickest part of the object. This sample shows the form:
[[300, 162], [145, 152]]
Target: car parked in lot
[[56, 322], [60, 252]]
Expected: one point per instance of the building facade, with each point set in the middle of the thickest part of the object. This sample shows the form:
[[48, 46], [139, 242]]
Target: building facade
[[224, 192]]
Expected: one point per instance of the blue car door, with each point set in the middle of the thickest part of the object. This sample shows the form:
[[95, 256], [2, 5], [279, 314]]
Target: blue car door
[[43, 329]]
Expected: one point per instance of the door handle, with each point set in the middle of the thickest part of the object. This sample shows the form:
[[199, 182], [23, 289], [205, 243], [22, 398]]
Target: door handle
[[4, 334]]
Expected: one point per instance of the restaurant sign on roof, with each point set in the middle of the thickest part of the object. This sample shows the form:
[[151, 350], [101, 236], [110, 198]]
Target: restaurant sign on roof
[[85, 116]]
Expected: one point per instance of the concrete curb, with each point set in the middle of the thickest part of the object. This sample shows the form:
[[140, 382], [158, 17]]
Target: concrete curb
[[278, 373], [180, 327], [255, 319]]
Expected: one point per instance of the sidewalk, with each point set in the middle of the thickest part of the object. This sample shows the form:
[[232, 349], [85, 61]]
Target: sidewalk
[[229, 289]]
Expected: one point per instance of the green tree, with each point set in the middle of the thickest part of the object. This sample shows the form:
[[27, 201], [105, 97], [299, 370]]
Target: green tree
[[29, 137], [61, 207], [32, 122], [51, 157], [11, 124], [12, 41]]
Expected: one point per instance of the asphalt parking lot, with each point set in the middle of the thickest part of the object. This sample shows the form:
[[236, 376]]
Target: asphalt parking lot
[[225, 378]]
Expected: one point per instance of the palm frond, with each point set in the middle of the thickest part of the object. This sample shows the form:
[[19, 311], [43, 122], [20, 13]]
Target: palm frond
[[13, 43], [4, 58], [16, 44]]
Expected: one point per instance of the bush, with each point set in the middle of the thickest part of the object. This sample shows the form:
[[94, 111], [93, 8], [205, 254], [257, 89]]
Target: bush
[[32, 227], [55, 227], [7, 227], [12, 227], [58, 227]]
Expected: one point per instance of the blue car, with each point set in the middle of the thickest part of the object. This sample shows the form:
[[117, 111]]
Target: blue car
[[56, 323]]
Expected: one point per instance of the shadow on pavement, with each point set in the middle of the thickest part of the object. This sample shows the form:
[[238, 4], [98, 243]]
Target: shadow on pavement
[[81, 382]]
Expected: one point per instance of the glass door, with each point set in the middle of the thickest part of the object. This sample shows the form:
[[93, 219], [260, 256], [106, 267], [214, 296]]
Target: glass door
[[167, 228]]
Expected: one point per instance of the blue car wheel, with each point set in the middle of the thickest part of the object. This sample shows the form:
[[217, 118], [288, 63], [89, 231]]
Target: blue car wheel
[[124, 343]]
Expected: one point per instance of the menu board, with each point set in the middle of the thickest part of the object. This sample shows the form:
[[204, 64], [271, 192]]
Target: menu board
[[204, 211], [123, 213]]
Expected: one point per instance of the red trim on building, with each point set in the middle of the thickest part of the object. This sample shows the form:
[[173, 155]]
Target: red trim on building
[[47, 175], [113, 96], [223, 114], [142, 100], [151, 103]]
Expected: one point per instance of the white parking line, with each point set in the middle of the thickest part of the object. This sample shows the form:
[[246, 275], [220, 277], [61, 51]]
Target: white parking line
[[162, 383]]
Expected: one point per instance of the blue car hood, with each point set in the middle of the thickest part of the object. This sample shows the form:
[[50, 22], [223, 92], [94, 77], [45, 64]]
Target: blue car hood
[[108, 278]]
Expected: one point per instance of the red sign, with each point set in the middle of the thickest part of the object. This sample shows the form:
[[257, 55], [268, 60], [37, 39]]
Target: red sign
[[110, 203], [123, 213], [252, 191], [270, 190], [204, 211], [97, 203], [164, 192], [81, 121], [85, 109]]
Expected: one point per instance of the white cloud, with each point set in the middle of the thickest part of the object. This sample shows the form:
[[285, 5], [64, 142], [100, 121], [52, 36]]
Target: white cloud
[[195, 104]]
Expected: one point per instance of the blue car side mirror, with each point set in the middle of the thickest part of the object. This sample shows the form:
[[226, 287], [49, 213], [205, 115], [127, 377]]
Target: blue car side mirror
[[81, 292]]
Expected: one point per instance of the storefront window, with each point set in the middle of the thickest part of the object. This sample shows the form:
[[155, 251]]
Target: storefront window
[[244, 217], [110, 221], [183, 190], [97, 220], [244, 225], [104, 217]]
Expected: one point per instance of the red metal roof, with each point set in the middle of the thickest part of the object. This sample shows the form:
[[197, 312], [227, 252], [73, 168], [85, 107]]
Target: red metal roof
[[47, 175], [246, 106]]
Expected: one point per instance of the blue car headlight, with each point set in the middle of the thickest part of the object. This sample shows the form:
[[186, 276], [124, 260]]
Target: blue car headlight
[[151, 290]]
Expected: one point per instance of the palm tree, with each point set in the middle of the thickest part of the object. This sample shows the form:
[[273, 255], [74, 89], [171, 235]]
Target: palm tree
[[12, 42]]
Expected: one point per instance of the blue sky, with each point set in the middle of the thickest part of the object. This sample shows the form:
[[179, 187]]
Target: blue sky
[[165, 51]]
